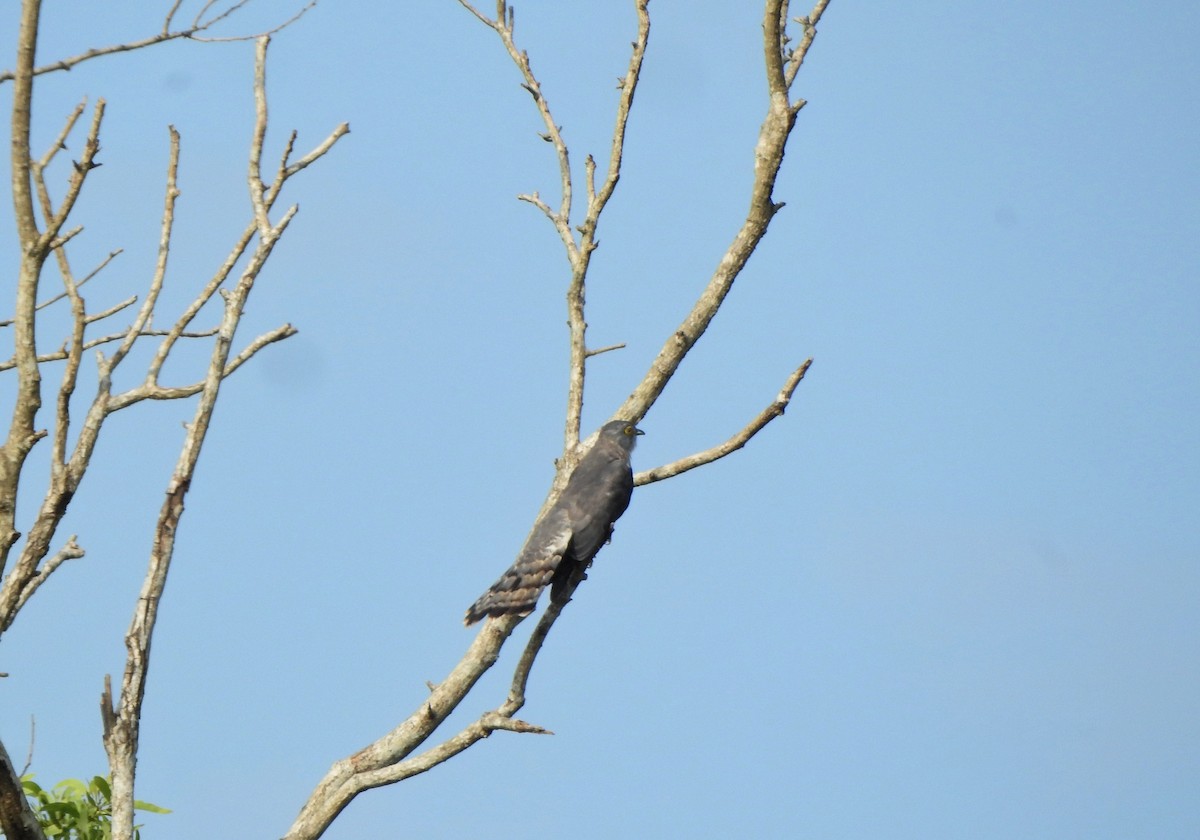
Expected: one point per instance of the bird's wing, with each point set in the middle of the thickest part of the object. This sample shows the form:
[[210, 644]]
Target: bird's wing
[[595, 497]]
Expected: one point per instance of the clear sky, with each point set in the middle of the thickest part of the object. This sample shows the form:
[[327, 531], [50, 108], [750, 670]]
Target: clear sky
[[951, 594]]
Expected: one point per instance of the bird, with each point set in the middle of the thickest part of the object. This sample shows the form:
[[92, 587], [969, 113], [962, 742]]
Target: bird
[[571, 533]]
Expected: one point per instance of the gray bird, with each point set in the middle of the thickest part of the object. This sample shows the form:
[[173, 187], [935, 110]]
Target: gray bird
[[572, 531]]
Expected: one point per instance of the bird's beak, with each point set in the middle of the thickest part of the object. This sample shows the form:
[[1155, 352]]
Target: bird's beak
[[638, 431]]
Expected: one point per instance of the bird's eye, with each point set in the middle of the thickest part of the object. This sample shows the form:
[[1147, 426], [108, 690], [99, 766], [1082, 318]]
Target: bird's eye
[[629, 431]]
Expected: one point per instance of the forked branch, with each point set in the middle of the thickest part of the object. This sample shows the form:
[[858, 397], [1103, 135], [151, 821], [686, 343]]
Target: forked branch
[[121, 714], [768, 157], [578, 251]]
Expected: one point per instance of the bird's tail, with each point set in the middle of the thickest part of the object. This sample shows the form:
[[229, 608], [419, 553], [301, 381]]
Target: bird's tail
[[516, 593]]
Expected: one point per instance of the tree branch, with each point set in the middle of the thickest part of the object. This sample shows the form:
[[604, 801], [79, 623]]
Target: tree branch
[[501, 717], [160, 267], [607, 349], [775, 409], [24, 579], [61, 295], [503, 26], [192, 33], [154, 391], [576, 291], [70, 551], [21, 433], [768, 157], [371, 766], [65, 475], [61, 353]]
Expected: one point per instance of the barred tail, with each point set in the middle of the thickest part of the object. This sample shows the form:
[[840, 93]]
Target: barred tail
[[516, 593]]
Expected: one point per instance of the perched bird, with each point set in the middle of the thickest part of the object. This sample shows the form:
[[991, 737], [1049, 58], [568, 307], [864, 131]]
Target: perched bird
[[572, 531]]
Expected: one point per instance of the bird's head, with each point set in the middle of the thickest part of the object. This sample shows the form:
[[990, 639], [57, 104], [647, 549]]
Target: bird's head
[[623, 432]]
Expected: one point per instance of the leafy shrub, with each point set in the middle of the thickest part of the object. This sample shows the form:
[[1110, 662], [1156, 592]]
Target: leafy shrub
[[75, 810]]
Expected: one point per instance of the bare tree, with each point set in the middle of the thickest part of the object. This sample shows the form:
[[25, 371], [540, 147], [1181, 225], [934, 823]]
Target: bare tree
[[44, 234], [402, 752]]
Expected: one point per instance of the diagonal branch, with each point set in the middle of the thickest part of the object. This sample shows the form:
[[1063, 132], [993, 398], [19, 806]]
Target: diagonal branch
[[112, 255], [370, 766], [597, 200], [146, 312], [775, 409], [768, 157], [62, 295], [85, 164], [501, 718]]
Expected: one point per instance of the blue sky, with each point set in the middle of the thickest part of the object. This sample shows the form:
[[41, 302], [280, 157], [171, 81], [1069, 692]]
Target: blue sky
[[952, 593]]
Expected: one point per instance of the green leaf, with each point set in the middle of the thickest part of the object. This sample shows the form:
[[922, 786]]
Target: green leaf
[[76, 788], [139, 805], [101, 784], [62, 810]]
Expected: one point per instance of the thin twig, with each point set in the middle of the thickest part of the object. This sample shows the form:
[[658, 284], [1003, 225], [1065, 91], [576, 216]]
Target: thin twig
[[809, 24], [607, 349], [171, 16], [61, 353], [79, 283], [578, 252], [146, 311], [213, 39], [32, 741], [504, 26], [166, 34], [60, 142], [73, 348], [112, 310]]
